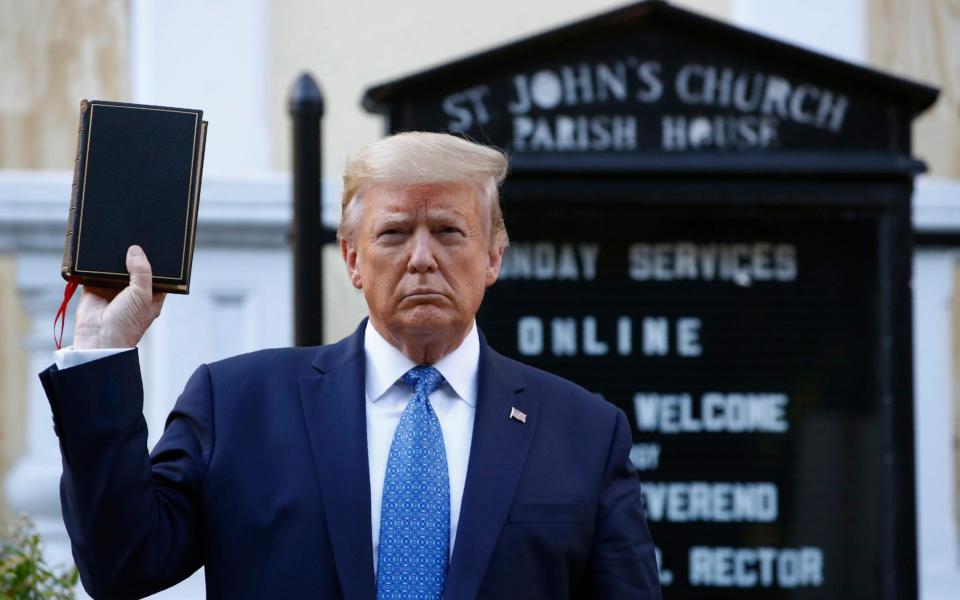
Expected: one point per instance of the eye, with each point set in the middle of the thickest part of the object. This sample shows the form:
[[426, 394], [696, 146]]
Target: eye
[[389, 236], [450, 230]]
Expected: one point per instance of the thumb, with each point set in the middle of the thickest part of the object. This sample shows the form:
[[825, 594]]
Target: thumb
[[141, 275]]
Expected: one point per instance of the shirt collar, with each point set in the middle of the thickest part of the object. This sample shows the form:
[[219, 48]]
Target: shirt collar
[[386, 364]]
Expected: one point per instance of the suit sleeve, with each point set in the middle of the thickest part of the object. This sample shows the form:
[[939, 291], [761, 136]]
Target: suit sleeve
[[133, 519], [622, 563]]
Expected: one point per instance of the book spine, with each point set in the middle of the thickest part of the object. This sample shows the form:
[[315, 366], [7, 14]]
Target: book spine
[[73, 215]]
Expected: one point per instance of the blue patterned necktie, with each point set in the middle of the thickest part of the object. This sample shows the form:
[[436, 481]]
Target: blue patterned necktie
[[415, 514]]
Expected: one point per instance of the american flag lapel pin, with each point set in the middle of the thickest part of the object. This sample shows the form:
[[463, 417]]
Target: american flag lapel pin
[[518, 415]]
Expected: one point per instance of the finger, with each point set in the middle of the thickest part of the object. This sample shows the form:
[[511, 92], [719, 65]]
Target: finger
[[141, 275], [157, 303], [106, 293]]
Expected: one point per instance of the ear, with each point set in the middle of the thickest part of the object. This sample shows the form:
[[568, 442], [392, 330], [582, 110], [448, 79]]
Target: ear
[[494, 261], [352, 260]]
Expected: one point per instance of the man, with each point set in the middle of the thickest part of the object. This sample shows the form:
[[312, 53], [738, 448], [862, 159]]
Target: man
[[409, 460]]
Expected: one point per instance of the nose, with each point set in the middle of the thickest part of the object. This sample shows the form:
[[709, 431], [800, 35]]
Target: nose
[[422, 258]]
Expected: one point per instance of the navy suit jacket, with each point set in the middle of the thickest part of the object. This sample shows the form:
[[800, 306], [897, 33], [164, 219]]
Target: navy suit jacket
[[261, 476]]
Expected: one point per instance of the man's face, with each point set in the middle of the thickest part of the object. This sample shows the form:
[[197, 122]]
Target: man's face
[[423, 257]]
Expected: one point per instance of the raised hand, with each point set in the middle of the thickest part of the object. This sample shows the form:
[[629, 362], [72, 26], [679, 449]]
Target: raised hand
[[113, 318]]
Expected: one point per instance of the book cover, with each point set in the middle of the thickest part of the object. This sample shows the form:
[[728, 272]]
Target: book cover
[[136, 181]]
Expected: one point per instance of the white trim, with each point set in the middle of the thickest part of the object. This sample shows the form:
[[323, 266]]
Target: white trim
[[936, 204], [43, 197]]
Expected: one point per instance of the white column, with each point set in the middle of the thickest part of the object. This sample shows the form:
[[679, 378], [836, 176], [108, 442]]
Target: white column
[[933, 416], [32, 486], [837, 28], [935, 208], [210, 55]]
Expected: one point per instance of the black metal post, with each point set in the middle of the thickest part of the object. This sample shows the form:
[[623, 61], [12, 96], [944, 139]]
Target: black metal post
[[306, 111]]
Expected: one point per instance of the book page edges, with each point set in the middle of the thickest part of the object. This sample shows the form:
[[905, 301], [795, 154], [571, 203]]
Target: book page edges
[[198, 170]]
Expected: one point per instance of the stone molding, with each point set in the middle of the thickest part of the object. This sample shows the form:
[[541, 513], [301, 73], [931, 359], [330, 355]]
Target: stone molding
[[235, 211]]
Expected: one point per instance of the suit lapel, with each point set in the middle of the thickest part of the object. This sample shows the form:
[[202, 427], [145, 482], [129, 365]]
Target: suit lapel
[[334, 408], [497, 456]]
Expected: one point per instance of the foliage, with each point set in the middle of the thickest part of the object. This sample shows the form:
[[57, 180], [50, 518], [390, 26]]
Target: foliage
[[24, 574]]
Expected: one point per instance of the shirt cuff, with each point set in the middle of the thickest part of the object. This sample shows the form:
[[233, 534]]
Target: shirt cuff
[[68, 357]]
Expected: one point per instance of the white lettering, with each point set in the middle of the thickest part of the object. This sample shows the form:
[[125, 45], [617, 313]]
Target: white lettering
[[544, 260], [673, 133], [688, 337], [591, 345], [715, 413], [581, 133], [588, 259], [749, 93], [652, 88], [549, 261], [522, 103], [645, 457], [684, 87], [563, 333], [577, 84], [739, 263], [530, 336], [655, 337], [710, 502], [723, 566], [546, 89], [611, 82], [522, 130], [462, 119], [570, 336], [624, 336]]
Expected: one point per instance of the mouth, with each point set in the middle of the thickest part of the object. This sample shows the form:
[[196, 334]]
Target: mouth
[[424, 294]]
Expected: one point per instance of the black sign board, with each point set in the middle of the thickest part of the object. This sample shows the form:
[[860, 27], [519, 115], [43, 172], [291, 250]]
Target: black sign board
[[711, 229]]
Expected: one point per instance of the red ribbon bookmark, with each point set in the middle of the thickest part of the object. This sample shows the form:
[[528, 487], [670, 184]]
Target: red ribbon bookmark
[[72, 285]]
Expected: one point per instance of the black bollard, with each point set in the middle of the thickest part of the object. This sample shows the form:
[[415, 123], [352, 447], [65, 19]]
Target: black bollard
[[306, 111]]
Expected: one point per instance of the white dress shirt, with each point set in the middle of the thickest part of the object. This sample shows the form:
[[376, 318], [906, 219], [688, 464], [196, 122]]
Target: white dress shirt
[[454, 402], [68, 357]]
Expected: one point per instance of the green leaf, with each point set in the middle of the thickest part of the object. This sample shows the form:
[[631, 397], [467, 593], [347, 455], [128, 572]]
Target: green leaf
[[24, 573]]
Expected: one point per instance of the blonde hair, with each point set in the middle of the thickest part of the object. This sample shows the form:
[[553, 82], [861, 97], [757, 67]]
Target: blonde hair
[[418, 157]]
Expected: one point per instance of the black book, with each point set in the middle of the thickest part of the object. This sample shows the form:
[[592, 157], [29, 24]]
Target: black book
[[136, 181]]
